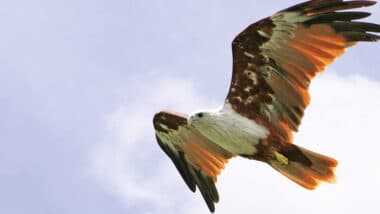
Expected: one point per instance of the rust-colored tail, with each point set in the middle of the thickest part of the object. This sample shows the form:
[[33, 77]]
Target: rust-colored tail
[[304, 167]]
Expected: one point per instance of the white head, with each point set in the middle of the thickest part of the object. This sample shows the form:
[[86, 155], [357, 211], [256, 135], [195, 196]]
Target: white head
[[197, 119], [208, 123], [205, 118]]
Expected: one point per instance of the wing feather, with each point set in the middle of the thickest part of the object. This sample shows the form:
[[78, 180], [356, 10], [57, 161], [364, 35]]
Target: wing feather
[[197, 159], [276, 58]]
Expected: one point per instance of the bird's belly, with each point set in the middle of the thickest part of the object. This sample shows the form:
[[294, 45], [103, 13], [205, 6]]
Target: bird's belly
[[238, 141], [236, 135], [232, 131]]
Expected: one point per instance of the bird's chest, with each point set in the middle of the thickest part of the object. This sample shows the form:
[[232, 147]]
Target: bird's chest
[[236, 134]]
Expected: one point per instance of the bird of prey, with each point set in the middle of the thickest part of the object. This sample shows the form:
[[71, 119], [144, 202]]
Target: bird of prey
[[274, 61]]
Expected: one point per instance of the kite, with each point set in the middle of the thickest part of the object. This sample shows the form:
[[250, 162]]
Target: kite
[[274, 61]]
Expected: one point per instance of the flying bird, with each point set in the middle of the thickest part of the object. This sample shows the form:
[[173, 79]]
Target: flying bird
[[274, 61]]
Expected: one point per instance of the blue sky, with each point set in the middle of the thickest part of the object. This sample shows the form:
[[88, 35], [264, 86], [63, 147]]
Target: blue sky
[[80, 81]]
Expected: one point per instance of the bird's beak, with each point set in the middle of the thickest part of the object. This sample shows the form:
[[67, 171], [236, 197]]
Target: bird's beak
[[189, 120]]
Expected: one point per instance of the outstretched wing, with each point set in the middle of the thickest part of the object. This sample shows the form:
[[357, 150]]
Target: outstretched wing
[[275, 59], [198, 160]]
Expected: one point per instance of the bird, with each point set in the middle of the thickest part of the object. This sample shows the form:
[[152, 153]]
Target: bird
[[274, 61]]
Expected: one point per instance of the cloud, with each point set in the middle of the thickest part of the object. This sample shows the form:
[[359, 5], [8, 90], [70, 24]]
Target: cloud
[[342, 122]]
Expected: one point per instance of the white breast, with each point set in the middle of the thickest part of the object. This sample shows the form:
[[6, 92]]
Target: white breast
[[232, 131]]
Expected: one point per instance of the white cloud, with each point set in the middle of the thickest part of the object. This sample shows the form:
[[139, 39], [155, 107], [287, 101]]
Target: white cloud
[[342, 121]]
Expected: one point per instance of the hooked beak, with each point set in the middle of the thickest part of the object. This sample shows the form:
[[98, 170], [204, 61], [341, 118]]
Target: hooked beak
[[191, 119]]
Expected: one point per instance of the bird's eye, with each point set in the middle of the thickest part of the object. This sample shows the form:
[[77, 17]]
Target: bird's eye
[[200, 115]]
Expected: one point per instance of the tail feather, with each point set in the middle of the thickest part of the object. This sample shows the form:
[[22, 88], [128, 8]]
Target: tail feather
[[309, 176]]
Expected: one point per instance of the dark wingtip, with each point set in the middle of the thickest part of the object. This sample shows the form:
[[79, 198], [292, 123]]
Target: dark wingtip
[[325, 12], [316, 6], [372, 3], [208, 189], [363, 3], [180, 164], [359, 36]]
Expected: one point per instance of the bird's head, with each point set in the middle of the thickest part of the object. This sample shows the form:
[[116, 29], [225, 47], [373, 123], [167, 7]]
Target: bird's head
[[196, 117], [200, 118]]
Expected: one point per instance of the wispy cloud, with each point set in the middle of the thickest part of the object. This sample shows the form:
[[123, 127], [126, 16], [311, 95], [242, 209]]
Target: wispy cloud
[[341, 122]]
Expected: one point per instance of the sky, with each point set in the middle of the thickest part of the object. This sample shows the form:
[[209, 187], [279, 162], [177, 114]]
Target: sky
[[81, 80]]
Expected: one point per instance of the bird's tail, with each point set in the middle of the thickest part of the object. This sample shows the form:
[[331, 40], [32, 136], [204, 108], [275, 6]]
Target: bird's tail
[[303, 166]]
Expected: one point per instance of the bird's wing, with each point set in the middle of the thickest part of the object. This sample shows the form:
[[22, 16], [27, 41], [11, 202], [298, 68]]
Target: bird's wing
[[198, 160], [275, 59]]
